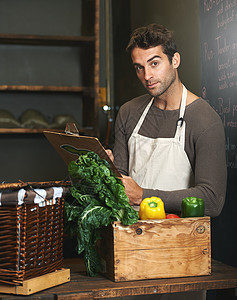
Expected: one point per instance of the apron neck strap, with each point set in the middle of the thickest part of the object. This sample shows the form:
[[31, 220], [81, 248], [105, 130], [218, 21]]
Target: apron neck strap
[[183, 102], [139, 123], [181, 111], [182, 107]]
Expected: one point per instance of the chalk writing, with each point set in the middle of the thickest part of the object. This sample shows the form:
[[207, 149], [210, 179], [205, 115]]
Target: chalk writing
[[208, 5], [225, 20], [222, 46], [230, 4], [231, 154], [209, 53], [219, 66]]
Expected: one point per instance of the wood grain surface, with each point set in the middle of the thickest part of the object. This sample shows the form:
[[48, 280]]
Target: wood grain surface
[[223, 278], [157, 249]]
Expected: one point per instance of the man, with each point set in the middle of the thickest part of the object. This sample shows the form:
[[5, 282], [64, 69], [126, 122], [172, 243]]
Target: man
[[169, 143]]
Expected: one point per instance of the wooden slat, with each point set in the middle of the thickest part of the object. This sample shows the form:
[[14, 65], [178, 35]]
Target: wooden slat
[[23, 130], [172, 262], [77, 296], [42, 88], [45, 39], [86, 130], [162, 234], [42, 184]]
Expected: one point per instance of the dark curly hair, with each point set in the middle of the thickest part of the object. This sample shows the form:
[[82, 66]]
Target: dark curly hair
[[151, 36]]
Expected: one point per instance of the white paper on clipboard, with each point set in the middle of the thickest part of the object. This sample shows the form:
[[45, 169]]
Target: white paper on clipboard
[[77, 143]]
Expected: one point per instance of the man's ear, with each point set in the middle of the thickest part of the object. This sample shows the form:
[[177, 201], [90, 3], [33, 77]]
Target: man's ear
[[176, 60]]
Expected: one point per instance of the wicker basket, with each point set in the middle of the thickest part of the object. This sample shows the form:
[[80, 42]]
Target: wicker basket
[[31, 235]]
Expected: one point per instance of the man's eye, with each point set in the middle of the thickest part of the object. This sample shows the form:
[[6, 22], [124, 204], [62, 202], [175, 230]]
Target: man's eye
[[154, 63], [138, 68]]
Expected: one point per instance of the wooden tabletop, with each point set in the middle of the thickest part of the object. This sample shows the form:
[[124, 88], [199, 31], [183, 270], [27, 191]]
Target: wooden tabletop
[[223, 277]]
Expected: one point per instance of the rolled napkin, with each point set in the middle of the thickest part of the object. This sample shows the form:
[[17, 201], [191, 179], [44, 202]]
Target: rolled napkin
[[60, 121], [42, 197], [7, 120], [32, 118]]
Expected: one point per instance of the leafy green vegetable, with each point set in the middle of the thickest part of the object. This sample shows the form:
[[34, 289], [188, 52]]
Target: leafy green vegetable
[[99, 199]]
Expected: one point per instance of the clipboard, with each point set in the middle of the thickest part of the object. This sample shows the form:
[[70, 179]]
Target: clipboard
[[70, 145]]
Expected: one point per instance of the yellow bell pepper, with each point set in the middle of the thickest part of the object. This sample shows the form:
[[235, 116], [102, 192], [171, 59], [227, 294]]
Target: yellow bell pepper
[[152, 208]]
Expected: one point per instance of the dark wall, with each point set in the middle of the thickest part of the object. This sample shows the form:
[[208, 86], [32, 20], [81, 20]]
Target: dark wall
[[125, 82], [183, 18], [180, 16], [29, 158]]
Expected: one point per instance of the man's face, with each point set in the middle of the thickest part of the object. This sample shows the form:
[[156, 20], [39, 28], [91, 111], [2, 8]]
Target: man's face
[[153, 69]]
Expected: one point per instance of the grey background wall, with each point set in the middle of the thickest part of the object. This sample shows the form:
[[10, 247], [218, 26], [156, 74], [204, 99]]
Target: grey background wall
[[30, 157]]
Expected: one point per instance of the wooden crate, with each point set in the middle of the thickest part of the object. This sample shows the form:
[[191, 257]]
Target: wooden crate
[[157, 249]]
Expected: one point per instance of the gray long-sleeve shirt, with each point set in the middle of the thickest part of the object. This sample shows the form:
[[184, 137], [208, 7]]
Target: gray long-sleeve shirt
[[204, 145]]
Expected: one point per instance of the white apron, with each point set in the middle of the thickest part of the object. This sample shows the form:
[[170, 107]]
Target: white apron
[[160, 163]]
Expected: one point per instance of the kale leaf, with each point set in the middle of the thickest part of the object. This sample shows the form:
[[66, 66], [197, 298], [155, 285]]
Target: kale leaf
[[99, 199]]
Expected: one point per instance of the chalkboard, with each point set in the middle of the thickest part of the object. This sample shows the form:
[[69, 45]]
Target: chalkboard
[[218, 37]]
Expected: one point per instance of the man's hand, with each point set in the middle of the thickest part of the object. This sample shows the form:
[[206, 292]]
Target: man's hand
[[110, 154], [133, 190]]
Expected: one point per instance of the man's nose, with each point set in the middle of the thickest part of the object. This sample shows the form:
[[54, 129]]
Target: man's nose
[[147, 73]]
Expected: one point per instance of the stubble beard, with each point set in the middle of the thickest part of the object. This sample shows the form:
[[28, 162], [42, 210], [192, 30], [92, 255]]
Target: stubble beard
[[164, 86]]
